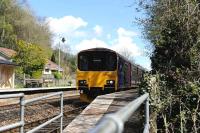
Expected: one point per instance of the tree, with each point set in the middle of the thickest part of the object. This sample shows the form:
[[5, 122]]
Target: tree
[[53, 58], [127, 54], [7, 35], [17, 22], [172, 27], [29, 57]]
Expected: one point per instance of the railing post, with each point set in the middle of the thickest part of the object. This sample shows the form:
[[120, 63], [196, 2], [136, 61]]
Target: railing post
[[146, 130], [61, 112], [22, 114]]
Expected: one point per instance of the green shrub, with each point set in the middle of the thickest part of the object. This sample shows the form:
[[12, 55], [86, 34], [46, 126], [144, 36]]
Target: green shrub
[[37, 74], [57, 75]]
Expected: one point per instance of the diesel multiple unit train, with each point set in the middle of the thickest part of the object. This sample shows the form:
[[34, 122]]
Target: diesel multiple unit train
[[101, 70]]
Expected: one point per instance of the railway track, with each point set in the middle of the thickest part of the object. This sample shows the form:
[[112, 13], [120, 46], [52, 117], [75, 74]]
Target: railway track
[[39, 112], [54, 127], [12, 111], [14, 102]]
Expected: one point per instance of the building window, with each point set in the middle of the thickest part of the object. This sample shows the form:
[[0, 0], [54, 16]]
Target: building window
[[47, 70]]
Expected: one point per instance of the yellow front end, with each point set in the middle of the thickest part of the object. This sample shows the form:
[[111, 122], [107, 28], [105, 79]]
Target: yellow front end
[[96, 79], [94, 83]]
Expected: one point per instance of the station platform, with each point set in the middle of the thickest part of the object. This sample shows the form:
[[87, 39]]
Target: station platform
[[30, 91], [102, 105]]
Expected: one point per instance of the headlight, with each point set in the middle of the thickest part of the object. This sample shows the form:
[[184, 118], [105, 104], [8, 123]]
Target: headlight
[[82, 82], [110, 82]]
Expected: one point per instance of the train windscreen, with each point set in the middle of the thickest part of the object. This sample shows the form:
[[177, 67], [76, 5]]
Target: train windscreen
[[97, 61]]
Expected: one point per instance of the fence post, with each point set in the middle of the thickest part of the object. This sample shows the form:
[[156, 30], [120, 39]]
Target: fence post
[[146, 129], [22, 114], [61, 112]]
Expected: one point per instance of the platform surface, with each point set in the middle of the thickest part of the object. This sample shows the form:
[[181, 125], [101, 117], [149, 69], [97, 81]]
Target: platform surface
[[36, 90], [98, 108]]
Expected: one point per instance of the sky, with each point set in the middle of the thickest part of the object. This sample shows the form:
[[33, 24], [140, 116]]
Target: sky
[[94, 23]]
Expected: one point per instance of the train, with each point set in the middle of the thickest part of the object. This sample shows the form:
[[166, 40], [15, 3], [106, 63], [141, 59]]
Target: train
[[101, 71]]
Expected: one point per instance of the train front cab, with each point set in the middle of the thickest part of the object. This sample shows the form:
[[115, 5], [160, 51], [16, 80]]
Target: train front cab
[[96, 73], [96, 83]]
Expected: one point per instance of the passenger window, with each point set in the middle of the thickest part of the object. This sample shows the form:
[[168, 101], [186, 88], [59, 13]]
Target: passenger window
[[83, 62]]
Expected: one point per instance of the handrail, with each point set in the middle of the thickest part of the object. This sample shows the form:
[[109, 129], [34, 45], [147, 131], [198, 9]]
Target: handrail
[[114, 123], [11, 95], [41, 98], [21, 122], [54, 118], [11, 126], [23, 103], [44, 124]]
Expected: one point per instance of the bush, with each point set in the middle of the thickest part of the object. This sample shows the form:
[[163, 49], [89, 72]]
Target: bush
[[57, 75], [173, 109], [37, 74]]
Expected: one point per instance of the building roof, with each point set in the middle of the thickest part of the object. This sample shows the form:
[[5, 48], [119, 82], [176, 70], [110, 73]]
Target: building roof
[[5, 56], [7, 62], [8, 52], [52, 66]]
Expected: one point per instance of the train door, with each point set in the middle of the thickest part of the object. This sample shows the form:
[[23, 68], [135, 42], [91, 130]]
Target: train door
[[127, 74], [120, 73], [124, 75]]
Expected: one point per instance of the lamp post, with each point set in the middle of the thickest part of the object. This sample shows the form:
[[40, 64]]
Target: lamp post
[[59, 58], [63, 40]]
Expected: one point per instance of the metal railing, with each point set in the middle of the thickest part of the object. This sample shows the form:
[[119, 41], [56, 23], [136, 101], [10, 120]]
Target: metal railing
[[114, 123], [23, 103], [53, 119], [21, 122]]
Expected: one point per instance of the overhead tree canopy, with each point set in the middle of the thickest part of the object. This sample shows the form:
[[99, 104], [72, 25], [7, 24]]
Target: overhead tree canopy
[[172, 27], [22, 31]]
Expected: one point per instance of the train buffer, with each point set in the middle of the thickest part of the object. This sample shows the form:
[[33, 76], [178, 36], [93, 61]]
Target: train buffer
[[103, 114]]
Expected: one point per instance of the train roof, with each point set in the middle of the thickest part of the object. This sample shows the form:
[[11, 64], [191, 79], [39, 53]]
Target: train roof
[[99, 49], [142, 68], [104, 49]]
